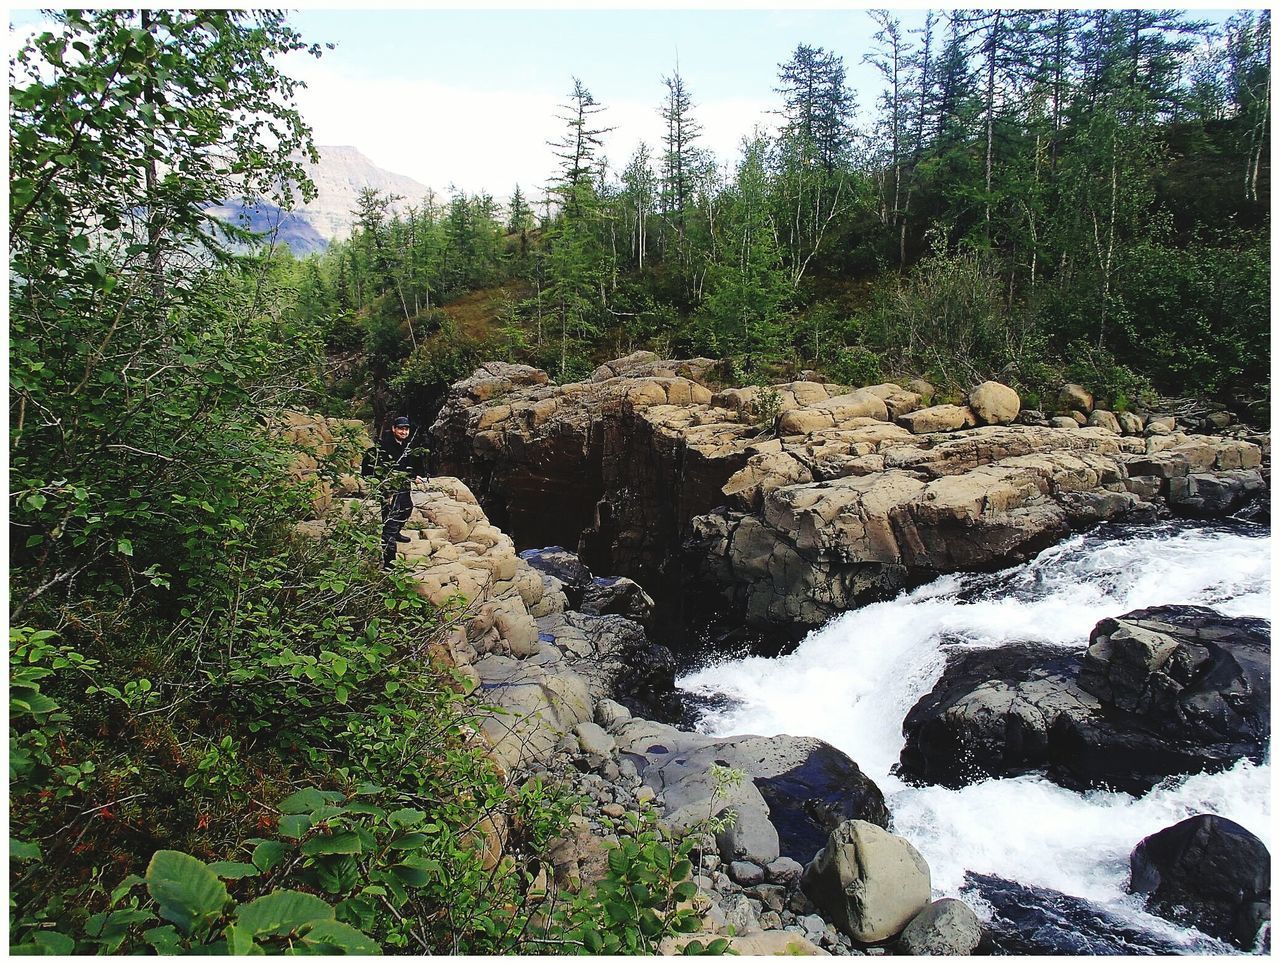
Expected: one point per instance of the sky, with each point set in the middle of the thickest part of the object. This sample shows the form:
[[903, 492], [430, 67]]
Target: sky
[[469, 98]]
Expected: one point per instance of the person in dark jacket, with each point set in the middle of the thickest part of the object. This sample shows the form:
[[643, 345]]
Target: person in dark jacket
[[395, 463]]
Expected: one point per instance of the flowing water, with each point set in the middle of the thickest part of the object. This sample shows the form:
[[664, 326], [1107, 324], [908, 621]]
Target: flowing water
[[853, 681]]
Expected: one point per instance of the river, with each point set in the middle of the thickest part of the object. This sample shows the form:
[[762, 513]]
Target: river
[[852, 682]]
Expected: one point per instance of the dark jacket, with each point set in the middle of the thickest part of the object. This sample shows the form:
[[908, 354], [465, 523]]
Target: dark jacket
[[394, 463]]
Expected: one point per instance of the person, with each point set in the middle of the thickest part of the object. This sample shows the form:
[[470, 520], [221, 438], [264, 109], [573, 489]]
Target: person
[[394, 462]]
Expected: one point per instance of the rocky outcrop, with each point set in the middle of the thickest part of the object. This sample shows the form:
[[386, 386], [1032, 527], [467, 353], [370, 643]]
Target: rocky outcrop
[[326, 454], [831, 505], [1159, 692], [1208, 872]]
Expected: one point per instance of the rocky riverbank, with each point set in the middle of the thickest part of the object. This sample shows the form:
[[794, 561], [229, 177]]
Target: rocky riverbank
[[803, 863]]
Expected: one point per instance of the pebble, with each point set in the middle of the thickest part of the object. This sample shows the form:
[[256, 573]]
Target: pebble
[[613, 810], [645, 794]]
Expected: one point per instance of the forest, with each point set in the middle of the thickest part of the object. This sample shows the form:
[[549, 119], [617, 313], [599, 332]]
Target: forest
[[224, 738], [1035, 195]]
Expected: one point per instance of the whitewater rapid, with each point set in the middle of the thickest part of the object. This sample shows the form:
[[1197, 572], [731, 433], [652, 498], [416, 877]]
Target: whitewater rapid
[[853, 681]]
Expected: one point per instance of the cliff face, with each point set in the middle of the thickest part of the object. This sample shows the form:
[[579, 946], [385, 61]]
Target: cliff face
[[651, 474]]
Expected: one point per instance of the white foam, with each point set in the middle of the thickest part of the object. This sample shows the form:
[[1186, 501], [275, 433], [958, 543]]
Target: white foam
[[853, 681]]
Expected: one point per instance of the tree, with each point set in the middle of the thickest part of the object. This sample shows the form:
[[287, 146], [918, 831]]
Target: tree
[[520, 219], [679, 153], [577, 148], [639, 191], [133, 433], [748, 286]]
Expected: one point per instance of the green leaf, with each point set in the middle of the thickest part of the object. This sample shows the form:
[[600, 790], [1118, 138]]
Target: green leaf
[[343, 842], [694, 947], [186, 890], [331, 936], [281, 912], [269, 854], [23, 850], [53, 943], [410, 842], [618, 861], [406, 817], [302, 802], [125, 547], [294, 825], [163, 939], [685, 891], [682, 870], [718, 946], [233, 869], [240, 940]]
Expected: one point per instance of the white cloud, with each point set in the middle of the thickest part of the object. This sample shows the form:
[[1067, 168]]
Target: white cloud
[[485, 140]]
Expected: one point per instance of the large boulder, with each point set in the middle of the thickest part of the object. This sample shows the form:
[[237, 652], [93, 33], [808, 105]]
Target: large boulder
[[994, 404], [937, 418], [797, 789], [1075, 398], [1103, 419], [1160, 692], [1188, 673], [1208, 872], [869, 883]]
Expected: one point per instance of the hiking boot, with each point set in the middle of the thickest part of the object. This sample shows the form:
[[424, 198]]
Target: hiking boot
[[401, 538]]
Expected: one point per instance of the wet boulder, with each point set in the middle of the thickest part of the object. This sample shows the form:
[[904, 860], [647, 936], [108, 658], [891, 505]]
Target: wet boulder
[[1160, 692], [1190, 674], [796, 789], [1208, 872]]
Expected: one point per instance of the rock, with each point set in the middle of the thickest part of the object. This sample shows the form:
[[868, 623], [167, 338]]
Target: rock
[[924, 389], [558, 562], [945, 927], [620, 595], [746, 873], [1026, 920], [1208, 872], [868, 882], [1160, 692], [1161, 425], [611, 714], [593, 741], [797, 788], [784, 871], [1102, 419], [1063, 422], [1075, 398], [994, 404], [772, 942], [1131, 424], [579, 858], [739, 914], [613, 810], [687, 497], [937, 418], [1215, 494]]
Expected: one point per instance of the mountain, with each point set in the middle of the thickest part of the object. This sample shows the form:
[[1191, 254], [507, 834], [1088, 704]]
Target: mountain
[[339, 177]]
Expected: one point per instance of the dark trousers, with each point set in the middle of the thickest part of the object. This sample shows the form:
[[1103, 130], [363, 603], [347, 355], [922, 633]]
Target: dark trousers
[[395, 513]]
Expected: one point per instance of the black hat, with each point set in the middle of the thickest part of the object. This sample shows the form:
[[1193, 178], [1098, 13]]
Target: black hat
[[402, 422]]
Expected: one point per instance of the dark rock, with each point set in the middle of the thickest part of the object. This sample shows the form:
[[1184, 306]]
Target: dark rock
[[990, 714], [620, 595], [564, 566], [1216, 494], [1162, 691], [812, 799], [1027, 920], [1208, 872]]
